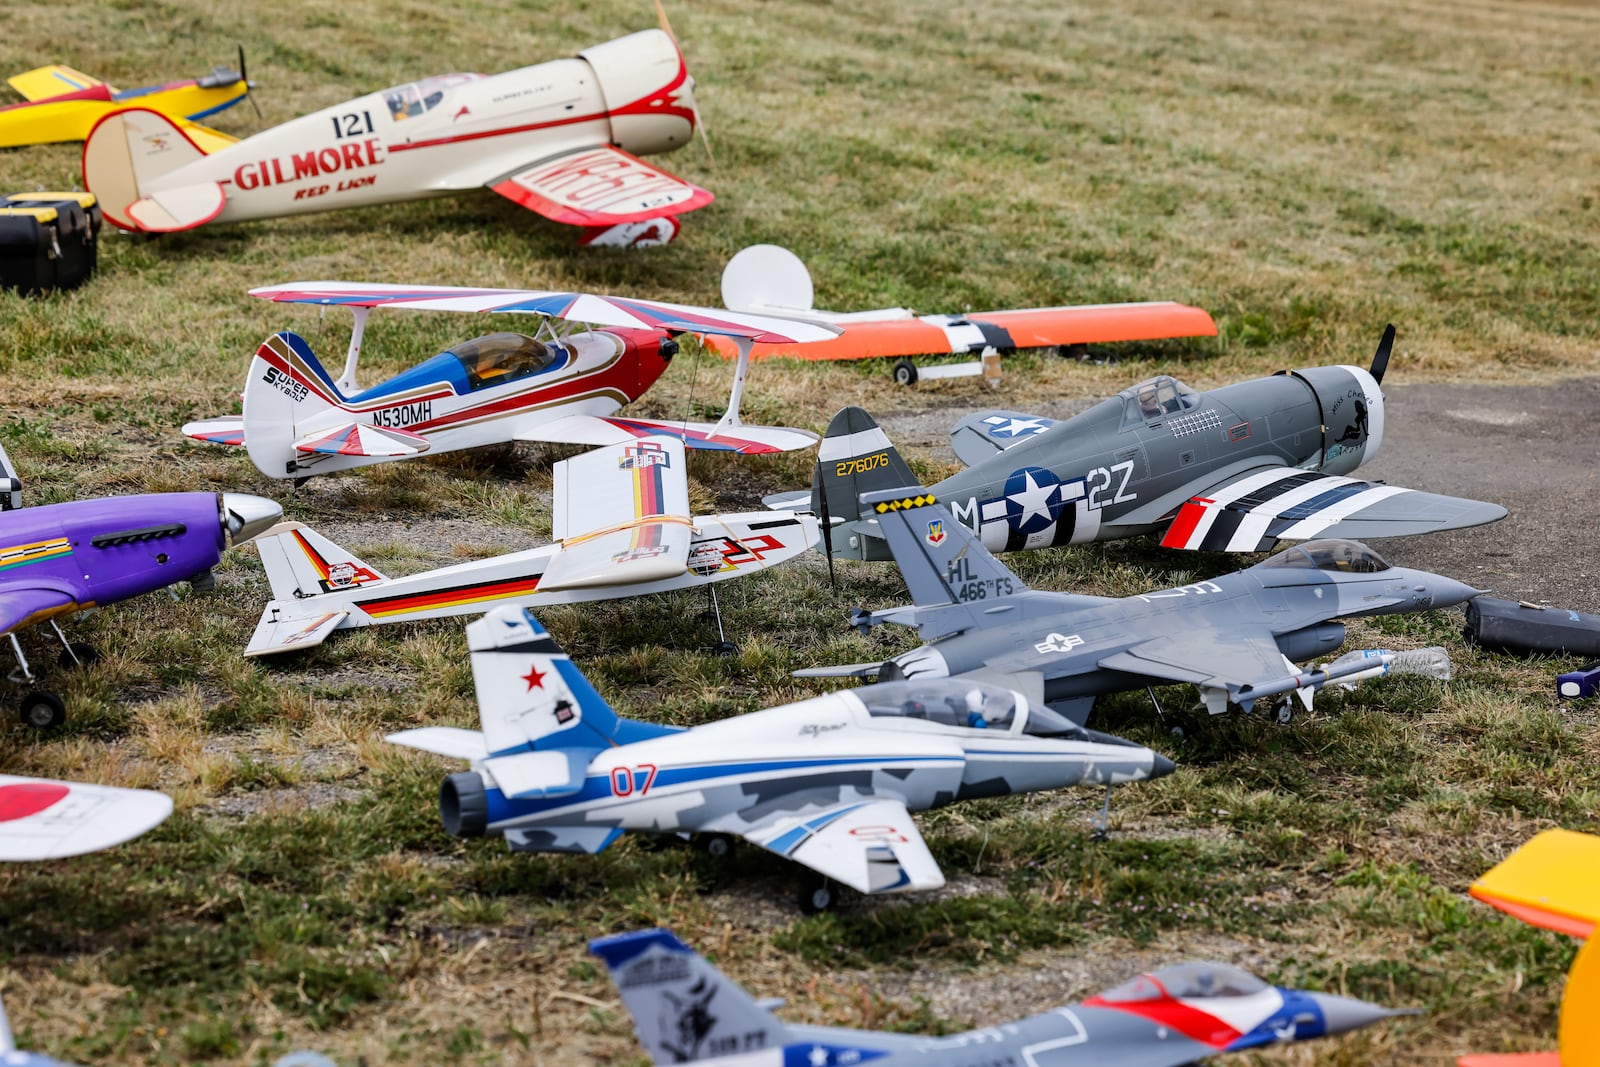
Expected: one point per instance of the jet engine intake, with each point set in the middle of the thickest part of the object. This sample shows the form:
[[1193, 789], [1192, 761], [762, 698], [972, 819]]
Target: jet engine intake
[[1313, 641]]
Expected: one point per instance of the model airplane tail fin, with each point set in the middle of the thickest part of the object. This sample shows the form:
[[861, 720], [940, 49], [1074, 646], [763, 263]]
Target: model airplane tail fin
[[855, 457], [126, 154], [532, 698], [684, 1009], [287, 396], [941, 560]]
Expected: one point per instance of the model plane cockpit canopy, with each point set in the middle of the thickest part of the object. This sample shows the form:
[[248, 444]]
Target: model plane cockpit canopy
[[1330, 554], [413, 99], [947, 703], [1158, 396], [1187, 981], [503, 357]]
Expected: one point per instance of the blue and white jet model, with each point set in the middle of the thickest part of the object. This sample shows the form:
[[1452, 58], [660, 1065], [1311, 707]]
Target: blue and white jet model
[[686, 1011], [828, 782]]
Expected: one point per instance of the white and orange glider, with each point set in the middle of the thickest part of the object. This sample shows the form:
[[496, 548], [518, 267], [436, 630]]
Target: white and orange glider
[[771, 280]]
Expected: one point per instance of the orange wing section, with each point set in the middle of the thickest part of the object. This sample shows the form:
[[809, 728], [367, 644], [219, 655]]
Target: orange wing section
[[1553, 881], [1030, 328]]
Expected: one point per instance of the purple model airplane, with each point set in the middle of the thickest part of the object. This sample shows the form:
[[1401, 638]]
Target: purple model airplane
[[82, 554]]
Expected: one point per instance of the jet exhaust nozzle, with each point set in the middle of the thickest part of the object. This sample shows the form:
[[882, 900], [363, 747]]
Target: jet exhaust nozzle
[[464, 805]]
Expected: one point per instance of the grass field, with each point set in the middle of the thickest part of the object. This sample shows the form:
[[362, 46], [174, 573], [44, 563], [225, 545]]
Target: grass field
[[1306, 171]]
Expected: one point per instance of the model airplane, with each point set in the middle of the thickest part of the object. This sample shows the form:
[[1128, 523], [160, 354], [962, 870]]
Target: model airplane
[[829, 782], [622, 526], [46, 820], [563, 387], [62, 104], [561, 139], [686, 1011], [1236, 638], [61, 558], [770, 280], [1233, 469], [1551, 882]]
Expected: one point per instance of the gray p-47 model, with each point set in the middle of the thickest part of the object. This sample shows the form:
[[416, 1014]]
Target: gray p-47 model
[[1235, 637], [1234, 469], [686, 1011]]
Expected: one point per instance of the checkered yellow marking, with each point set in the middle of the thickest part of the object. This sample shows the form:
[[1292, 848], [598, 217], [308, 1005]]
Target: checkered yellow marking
[[905, 503]]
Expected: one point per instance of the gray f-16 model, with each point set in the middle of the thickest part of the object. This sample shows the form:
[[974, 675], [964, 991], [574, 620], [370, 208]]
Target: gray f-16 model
[[1236, 637], [686, 1011], [828, 782], [1234, 469]]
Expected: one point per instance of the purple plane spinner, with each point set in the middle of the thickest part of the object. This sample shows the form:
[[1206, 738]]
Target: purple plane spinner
[[61, 558]]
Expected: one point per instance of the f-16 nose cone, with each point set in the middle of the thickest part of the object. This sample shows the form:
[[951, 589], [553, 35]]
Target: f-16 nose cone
[[1343, 1014], [1448, 591], [245, 516]]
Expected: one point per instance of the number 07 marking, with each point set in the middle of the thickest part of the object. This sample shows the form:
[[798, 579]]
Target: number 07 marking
[[624, 780]]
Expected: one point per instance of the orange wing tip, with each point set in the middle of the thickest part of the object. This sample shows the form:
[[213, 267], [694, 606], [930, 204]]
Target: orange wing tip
[[1536, 916], [1512, 1059]]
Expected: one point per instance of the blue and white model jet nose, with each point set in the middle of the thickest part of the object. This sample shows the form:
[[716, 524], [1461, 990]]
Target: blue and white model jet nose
[[1342, 1014]]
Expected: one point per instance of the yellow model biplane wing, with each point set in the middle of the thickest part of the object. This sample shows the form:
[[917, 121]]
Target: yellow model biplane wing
[[53, 80]]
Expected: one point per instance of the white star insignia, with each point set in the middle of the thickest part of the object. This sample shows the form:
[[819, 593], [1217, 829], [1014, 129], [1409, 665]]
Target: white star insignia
[[819, 1056], [1034, 500], [1008, 427]]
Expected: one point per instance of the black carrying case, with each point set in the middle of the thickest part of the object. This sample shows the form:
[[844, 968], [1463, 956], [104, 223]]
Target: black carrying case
[[48, 240], [1513, 626]]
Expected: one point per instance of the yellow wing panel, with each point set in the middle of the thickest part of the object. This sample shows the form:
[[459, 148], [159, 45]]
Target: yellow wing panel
[[1553, 881], [53, 80]]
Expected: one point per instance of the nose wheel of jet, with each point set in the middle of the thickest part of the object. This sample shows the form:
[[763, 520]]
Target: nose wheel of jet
[[817, 895], [1283, 711]]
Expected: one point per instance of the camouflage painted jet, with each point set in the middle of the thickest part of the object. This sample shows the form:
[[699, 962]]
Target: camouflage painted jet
[[1233, 469], [1236, 637], [828, 782], [686, 1011]]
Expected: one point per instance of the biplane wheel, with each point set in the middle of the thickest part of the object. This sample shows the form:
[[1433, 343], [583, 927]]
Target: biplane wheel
[[78, 654], [817, 895], [725, 649], [717, 846], [43, 710], [904, 372]]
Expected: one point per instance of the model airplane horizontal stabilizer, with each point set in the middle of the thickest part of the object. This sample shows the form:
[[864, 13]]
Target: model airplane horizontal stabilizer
[[700, 436], [222, 430], [362, 439], [589, 308], [45, 820], [1176, 1015], [621, 515]]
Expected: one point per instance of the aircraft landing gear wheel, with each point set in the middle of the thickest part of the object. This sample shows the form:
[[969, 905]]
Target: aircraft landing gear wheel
[[904, 372], [1284, 712], [43, 710], [717, 846], [818, 895], [78, 654], [725, 649]]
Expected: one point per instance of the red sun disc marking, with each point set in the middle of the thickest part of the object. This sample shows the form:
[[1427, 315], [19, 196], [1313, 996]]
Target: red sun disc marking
[[21, 801]]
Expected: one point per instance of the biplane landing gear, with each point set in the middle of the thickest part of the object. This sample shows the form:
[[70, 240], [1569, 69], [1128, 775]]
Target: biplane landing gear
[[43, 710], [817, 895], [904, 372]]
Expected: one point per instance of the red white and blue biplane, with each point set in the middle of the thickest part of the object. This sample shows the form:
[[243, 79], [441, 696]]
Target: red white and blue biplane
[[560, 385]]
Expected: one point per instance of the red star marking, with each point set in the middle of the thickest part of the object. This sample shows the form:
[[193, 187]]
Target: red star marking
[[534, 678]]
